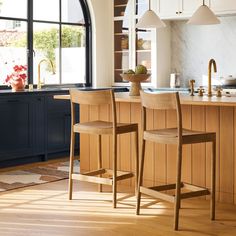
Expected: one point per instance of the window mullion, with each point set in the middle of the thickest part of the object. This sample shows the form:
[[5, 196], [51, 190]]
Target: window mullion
[[60, 51], [30, 52]]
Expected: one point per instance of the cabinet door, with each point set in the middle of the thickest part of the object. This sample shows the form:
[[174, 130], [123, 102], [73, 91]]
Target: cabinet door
[[58, 125], [189, 7], [58, 135], [226, 6], [16, 127], [39, 125], [169, 8]]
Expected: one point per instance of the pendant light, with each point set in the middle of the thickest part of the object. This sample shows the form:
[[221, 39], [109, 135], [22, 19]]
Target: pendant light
[[203, 16], [150, 20]]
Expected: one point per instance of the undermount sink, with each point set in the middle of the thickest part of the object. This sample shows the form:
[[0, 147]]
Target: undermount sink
[[51, 89], [158, 90]]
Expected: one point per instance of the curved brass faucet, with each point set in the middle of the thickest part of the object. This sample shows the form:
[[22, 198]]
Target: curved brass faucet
[[39, 85], [211, 62]]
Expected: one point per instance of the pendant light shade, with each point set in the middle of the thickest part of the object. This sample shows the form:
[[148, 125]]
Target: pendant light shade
[[203, 16], [150, 20]]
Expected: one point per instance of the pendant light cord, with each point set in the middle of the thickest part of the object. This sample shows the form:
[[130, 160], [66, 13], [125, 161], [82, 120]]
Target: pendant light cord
[[204, 3], [149, 5]]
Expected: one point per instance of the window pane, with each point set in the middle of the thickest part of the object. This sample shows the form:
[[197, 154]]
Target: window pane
[[46, 44], [72, 11], [73, 54], [47, 10], [13, 42], [144, 49], [141, 7], [13, 8]]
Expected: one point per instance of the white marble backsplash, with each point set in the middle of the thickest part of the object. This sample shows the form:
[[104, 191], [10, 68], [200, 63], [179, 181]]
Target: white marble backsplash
[[193, 46]]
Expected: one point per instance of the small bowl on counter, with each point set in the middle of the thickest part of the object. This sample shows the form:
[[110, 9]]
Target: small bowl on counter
[[135, 80]]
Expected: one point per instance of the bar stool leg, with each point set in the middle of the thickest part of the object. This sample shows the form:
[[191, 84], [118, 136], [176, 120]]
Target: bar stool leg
[[136, 163], [213, 180], [100, 159], [178, 188], [114, 185], [140, 178], [72, 153]]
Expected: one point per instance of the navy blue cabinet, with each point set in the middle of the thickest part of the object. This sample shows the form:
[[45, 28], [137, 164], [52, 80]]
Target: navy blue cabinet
[[58, 125], [33, 126], [16, 127], [39, 120]]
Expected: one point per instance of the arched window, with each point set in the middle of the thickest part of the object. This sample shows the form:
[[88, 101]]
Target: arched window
[[35, 32]]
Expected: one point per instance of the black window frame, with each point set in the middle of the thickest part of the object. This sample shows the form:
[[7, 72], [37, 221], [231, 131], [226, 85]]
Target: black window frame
[[30, 50]]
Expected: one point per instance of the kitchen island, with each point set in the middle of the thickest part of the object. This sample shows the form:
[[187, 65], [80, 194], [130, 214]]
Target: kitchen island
[[199, 113]]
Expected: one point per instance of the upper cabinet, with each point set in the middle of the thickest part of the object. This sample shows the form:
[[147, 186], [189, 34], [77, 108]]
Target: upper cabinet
[[178, 8], [168, 8], [223, 7]]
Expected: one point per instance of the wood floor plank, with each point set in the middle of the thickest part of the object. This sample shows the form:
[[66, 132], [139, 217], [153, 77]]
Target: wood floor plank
[[45, 210]]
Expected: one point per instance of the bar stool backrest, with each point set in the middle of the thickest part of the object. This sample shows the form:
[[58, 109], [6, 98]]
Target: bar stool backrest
[[94, 98], [161, 101]]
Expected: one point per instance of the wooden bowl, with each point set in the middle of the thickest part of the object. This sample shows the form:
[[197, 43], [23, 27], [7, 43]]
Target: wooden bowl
[[135, 77], [135, 80]]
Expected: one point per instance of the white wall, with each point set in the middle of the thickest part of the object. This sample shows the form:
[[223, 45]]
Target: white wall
[[194, 46], [163, 51], [102, 20]]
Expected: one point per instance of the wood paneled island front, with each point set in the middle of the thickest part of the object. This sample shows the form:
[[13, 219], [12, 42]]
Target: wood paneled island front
[[199, 113]]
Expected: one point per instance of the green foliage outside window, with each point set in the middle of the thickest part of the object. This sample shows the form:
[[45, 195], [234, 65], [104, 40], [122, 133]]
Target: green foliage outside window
[[47, 40]]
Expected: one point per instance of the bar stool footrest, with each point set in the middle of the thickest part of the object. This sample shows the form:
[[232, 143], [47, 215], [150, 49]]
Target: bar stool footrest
[[93, 178], [155, 191]]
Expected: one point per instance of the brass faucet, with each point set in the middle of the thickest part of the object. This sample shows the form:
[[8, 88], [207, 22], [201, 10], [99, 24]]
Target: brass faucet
[[191, 83], [211, 62], [39, 85]]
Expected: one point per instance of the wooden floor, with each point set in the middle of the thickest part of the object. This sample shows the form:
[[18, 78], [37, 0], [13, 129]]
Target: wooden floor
[[44, 210]]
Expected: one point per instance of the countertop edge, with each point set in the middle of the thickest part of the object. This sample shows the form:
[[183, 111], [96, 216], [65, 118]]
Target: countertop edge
[[184, 99]]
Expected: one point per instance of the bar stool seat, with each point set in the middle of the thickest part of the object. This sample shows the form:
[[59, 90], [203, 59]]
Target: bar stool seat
[[99, 127], [170, 135], [103, 127], [179, 137]]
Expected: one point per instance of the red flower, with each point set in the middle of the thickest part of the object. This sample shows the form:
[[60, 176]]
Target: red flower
[[19, 73]]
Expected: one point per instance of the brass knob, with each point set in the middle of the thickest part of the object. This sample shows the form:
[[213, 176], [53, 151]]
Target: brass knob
[[219, 93], [200, 92]]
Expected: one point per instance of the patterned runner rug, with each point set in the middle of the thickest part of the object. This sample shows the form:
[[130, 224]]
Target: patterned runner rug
[[43, 173]]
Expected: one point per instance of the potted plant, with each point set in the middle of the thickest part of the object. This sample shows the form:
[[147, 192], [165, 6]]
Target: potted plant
[[17, 78]]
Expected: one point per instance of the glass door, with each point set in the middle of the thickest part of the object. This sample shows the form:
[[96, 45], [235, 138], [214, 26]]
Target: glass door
[[122, 11], [132, 46], [143, 39]]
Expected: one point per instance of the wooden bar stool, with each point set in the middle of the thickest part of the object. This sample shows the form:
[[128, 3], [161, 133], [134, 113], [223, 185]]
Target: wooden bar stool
[[178, 136], [99, 127]]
